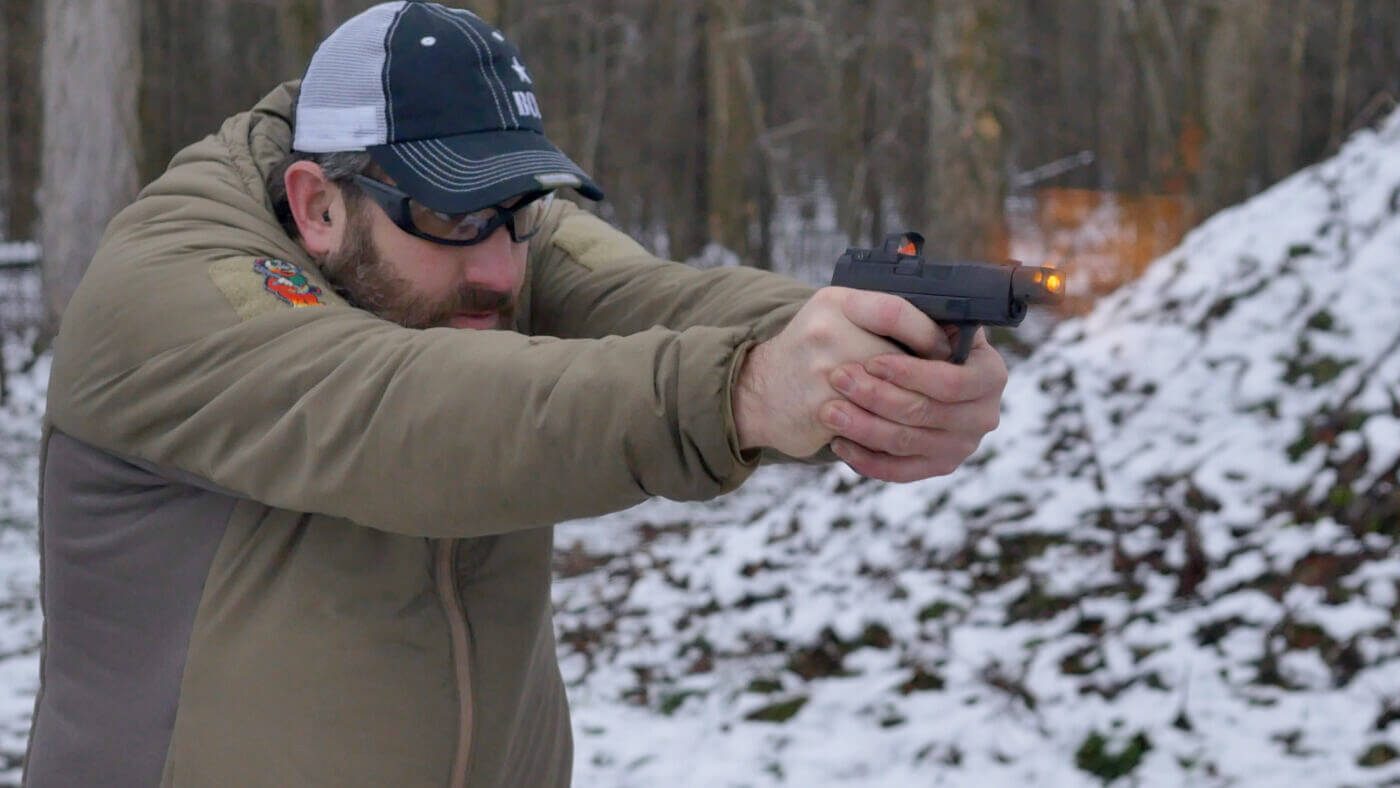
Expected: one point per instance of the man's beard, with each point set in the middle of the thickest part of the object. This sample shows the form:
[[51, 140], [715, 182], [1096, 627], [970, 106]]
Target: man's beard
[[361, 276]]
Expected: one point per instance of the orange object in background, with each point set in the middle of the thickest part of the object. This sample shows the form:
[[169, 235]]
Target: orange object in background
[[1102, 239]]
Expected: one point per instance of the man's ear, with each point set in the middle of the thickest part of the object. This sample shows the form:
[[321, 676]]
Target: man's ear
[[317, 206]]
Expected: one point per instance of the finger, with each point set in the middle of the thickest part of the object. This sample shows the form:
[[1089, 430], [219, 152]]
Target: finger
[[893, 317], [881, 435], [886, 467], [902, 406], [982, 376]]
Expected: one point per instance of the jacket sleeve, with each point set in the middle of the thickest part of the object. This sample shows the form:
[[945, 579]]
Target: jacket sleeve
[[590, 280], [436, 433], [328, 409]]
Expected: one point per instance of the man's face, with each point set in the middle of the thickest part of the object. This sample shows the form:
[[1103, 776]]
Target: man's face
[[420, 284]]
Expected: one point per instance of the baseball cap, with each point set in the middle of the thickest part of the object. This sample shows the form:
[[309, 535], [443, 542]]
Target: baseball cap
[[440, 100]]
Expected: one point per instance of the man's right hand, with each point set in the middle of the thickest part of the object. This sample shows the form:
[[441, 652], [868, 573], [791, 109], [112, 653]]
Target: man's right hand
[[785, 381]]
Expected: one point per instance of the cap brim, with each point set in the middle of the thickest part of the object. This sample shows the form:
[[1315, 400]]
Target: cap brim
[[472, 171]]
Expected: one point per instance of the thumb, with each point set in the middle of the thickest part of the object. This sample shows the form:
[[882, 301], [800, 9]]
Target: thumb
[[892, 317]]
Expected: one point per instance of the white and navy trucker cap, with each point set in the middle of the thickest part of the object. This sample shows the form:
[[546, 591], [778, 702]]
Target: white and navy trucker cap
[[441, 101]]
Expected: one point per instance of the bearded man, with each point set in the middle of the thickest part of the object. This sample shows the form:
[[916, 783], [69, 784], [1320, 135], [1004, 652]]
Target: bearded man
[[328, 383]]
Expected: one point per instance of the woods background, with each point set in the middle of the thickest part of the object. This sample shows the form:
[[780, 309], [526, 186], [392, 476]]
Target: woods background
[[729, 121]]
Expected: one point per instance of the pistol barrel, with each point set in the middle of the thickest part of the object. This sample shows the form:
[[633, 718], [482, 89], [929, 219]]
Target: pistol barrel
[[1037, 285]]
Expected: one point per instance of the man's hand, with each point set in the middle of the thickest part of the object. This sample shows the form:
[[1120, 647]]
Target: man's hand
[[905, 418], [785, 384], [833, 375]]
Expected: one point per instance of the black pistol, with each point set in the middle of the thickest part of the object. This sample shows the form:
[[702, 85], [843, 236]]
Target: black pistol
[[964, 294]]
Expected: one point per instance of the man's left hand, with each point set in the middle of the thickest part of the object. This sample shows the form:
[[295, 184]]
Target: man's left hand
[[908, 418]]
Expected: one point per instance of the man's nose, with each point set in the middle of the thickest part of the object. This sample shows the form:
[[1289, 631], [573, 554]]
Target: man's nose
[[491, 264]]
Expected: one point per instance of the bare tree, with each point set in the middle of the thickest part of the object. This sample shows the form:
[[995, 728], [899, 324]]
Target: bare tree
[[1112, 142], [730, 131], [703, 119], [91, 67], [1347, 15], [5, 105], [966, 122], [681, 184], [1229, 99], [5, 189], [1153, 39], [1287, 91], [19, 155]]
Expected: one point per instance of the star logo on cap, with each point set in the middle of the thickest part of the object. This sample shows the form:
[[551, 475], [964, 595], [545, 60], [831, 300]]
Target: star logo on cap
[[520, 70]]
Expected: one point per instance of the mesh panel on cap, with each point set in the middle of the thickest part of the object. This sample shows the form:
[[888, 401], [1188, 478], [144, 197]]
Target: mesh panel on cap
[[341, 106]]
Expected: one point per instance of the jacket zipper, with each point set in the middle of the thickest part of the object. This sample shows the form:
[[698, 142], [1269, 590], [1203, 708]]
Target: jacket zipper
[[461, 654]]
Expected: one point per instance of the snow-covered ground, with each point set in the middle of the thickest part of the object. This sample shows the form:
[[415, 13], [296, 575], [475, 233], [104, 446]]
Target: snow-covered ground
[[20, 622], [1175, 563]]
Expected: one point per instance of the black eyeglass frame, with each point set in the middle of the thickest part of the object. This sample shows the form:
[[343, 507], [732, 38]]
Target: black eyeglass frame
[[394, 203]]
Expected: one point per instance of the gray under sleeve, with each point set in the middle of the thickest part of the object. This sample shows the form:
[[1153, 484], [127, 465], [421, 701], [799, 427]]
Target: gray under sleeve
[[125, 554]]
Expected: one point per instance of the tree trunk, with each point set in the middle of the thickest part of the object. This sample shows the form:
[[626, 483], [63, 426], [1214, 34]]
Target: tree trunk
[[845, 48], [688, 112], [729, 130], [1157, 94], [758, 173], [1229, 90], [966, 145], [1337, 128], [1115, 103], [21, 20], [91, 65], [1286, 139], [6, 191]]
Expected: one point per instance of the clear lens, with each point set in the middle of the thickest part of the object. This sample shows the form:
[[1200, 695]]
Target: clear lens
[[478, 224], [451, 226]]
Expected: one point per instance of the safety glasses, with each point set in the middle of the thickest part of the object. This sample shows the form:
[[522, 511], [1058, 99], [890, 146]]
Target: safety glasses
[[522, 219]]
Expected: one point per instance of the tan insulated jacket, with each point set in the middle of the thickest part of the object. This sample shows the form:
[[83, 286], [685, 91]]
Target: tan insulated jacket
[[286, 542]]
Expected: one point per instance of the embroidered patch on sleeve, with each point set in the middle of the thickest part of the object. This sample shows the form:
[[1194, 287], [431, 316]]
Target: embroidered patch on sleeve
[[287, 282], [257, 285]]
